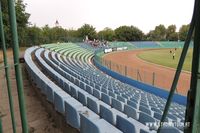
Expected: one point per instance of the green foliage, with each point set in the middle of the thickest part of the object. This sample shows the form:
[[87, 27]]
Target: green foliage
[[171, 34], [183, 32], [33, 36], [22, 21], [106, 34], [87, 30], [128, 33]]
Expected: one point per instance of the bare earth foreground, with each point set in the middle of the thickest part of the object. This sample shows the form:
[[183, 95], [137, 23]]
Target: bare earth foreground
[[39, 121], [164, 75]]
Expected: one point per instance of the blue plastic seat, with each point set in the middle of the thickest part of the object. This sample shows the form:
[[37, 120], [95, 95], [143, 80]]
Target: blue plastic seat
[[125, 126], [73, 91], [93, 104], [121, 99], [130, 112], [97, 93], [110, 93], [144, 109], [89, 89], [89, 125], [82, 97], [117, 105], [105, 98], [132, 104], [59, 97], [168, 129], [145, 118]]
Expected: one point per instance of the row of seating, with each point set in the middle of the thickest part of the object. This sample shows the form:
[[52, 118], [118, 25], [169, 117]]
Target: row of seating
[[120, 106]]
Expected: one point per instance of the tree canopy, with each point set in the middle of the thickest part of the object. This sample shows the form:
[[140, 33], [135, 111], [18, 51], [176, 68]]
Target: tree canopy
[[128, 33]]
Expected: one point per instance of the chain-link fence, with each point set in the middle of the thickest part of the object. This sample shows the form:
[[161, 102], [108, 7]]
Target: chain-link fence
[[161, 80]]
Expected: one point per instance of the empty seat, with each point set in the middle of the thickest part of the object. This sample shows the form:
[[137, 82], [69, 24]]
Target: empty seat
[[125, 126], [132, 104], [168, 129], [72, 109], [66, 87], [93, 104], [106, 113], [105, 98], [145, 118], [82, 85], [130, 112], [59, 97], [112, 94], [174, 118], [96, 126], [82, 97], [117, 105], [121, 99], [89, 89], [104, 91], [73, 91], [156, 110], [129, 125], [97, 93], [144, 109]]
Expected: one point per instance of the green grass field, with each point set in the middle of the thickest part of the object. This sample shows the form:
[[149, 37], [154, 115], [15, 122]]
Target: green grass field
[[165, 58]]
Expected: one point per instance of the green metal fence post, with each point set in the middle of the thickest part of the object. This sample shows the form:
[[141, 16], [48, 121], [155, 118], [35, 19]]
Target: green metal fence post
[[1, 129], [7, 71], [18, 73], [193, 105]]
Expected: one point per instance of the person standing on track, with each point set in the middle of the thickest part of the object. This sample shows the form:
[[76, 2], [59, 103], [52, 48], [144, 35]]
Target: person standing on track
[[174, 55]]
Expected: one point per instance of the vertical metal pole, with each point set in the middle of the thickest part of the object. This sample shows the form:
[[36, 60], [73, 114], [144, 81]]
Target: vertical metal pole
[[18, 74], [179, 67], [153, 82], [1, 129], [7, 72], [193, 105], [125, 70]]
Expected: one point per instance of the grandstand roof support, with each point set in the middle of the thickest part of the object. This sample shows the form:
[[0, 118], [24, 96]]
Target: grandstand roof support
[[193, 105], [18, 73]]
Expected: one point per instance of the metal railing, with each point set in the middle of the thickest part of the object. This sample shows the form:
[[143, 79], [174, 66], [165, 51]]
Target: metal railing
[[18, 75]]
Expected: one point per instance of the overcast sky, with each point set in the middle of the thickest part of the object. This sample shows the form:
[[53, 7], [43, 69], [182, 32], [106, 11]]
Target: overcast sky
[[144, 14]]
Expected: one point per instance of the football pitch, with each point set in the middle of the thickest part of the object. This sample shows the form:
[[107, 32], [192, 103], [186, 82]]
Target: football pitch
[[165, 58]]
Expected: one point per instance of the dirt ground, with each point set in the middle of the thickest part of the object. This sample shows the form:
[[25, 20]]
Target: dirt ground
[[163, 75], [39, 121]]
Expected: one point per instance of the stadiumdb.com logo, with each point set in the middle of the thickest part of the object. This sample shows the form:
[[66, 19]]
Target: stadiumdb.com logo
[[155, 125]]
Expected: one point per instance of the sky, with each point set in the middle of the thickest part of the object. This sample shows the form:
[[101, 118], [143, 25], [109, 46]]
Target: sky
[[144, 14]]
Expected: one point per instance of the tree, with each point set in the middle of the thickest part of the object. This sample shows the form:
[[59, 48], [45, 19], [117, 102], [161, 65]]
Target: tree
[[22, 21], [160, 33], [183, 32], [33, 36], [87, 30], [106, 34], [128, 33], [171, 34]]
